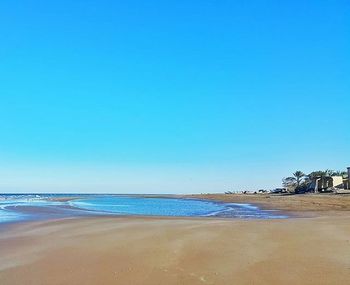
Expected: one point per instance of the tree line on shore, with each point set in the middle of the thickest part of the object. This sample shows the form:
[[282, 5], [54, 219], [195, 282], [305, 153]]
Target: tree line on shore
[[300, 182]]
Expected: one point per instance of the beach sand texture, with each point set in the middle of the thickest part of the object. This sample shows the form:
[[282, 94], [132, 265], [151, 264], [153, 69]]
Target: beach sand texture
[[131, 250]]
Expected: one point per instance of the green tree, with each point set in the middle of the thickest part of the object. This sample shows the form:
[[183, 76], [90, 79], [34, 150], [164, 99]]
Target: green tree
[[299, 177], [294, 182], [339, 173]]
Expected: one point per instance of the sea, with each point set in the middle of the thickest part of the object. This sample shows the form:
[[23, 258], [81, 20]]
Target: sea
[[22, 207]]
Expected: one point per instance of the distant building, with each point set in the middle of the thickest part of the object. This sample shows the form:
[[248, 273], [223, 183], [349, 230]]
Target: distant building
[[331, 182], [346, 180], [323, 183]]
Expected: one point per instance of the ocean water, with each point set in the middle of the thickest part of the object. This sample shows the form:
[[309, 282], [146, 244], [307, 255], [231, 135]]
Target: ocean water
[[35, 207], [13, 207], [126, 205]]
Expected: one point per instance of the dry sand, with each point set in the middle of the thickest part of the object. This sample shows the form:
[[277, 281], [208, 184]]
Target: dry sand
[[168, 251]]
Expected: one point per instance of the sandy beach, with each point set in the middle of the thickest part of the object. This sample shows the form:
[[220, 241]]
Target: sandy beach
[[141, 250]]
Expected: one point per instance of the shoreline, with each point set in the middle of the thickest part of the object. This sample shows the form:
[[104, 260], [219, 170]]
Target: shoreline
[[293, 206], [285, 202], [66, 212]]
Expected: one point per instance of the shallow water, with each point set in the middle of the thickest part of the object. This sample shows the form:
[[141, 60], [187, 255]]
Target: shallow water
[[34, 207], [13, 207]]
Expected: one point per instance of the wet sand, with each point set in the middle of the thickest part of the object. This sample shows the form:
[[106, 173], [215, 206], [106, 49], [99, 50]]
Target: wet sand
[[140, 250]]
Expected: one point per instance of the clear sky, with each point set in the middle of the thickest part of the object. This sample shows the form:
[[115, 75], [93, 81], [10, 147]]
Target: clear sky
[[171, 96]]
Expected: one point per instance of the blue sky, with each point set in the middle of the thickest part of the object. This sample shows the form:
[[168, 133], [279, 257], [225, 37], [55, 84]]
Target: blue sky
[[171, 96]]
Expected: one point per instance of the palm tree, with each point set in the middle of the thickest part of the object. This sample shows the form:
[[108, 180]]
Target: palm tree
[[294, 182], [299, 176], [339, 173]]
